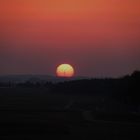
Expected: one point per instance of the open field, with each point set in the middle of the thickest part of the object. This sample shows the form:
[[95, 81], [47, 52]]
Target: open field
[[36, 113]]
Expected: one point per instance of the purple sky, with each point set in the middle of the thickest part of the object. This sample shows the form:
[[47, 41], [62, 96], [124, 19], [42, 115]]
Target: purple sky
[[99, 38]]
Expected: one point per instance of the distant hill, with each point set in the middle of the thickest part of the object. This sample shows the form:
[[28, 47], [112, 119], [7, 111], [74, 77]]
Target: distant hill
[[34, 78]]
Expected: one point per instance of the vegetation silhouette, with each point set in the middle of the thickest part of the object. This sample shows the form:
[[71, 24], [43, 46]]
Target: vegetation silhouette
[[88, 107], [125, 89]]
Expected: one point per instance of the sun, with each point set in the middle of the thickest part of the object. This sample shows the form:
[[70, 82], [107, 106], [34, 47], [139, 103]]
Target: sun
[[65, 70]]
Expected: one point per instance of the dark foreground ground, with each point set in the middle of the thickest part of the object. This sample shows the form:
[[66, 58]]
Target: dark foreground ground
[[34, 113]]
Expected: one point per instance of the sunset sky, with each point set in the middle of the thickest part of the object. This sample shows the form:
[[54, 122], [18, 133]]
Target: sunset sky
[[97, 37]]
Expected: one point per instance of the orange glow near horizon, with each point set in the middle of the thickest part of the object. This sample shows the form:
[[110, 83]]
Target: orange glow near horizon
[[65, 70]]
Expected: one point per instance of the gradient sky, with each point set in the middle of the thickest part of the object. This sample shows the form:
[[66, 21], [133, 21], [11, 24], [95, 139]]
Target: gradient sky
[[98, 37]]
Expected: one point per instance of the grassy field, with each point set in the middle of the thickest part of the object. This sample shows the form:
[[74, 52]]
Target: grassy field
[[35, 113]]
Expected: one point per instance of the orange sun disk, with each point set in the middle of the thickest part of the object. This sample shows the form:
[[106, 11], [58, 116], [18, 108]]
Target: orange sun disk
[[65, 70]]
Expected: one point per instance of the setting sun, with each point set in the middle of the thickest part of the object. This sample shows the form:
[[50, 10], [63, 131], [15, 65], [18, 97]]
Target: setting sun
[[65, 70]]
